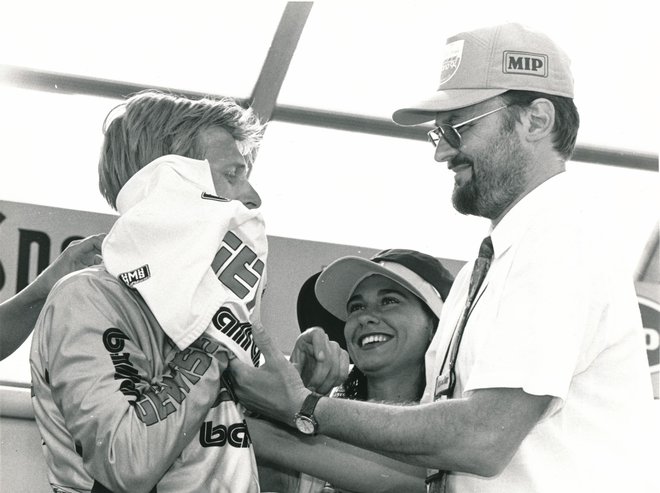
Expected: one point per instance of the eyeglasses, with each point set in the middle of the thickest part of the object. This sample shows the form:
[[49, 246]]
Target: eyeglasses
[[450, 132]]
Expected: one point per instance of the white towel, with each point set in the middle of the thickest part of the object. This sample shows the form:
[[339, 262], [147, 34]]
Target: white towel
[[172, 229]]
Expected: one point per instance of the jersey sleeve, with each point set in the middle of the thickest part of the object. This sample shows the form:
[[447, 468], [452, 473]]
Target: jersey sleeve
[[130, 411]]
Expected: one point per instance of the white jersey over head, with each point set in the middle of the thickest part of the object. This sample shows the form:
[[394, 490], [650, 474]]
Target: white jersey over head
[[124, 404]]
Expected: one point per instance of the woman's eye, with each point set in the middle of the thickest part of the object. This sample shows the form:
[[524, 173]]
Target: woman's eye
[[353, 307], [390, 300]]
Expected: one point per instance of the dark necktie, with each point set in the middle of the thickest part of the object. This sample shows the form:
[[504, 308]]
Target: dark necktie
[[481, 266], [447, 379]]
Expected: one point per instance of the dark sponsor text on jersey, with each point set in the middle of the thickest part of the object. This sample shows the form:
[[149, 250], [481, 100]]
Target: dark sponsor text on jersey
[[236, 435]]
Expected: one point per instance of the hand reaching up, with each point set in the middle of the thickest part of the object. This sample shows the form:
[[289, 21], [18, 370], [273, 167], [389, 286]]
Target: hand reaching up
[[322, 363]]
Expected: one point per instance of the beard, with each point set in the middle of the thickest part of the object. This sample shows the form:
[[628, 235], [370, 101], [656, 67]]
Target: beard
[[497, 180]]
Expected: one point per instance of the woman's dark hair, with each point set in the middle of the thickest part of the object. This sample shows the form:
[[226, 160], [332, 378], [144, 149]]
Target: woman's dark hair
[[355, 386]]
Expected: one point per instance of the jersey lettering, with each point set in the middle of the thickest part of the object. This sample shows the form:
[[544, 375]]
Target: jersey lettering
[[206, 345], [195, 363], [237, 266], [146, 411], [236, 435], [240, 332], [157, 403], [123, 367], [128, 388], [113, 341], [174, 388]]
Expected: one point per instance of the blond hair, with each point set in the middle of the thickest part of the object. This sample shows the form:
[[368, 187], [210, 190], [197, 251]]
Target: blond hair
[[151, 124]]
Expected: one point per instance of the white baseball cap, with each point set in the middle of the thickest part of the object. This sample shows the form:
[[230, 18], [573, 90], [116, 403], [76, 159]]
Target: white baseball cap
[[484, 63], [421, 274]]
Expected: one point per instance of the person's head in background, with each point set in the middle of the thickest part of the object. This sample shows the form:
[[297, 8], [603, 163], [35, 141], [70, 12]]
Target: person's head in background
[[385, 310], [151, 124]]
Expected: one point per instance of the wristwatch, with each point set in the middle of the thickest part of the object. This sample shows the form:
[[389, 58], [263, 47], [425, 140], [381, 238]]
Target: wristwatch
[[304, 419]]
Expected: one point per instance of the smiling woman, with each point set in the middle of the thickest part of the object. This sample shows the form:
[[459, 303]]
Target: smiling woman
[[391, 305], [388, 331]]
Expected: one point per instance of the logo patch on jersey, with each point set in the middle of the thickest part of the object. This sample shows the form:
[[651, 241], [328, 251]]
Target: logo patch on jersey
[[236, 435], [451, 60], [519, 62], [135, 276], [208, 196]]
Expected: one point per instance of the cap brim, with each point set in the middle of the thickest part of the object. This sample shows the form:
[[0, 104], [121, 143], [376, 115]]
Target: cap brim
[[451, 99], [338, 280]]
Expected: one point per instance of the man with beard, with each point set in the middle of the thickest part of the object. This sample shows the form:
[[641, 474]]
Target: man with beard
[[537, 379]]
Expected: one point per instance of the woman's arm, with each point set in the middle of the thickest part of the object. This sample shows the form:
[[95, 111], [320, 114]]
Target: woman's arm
[[20, 312]]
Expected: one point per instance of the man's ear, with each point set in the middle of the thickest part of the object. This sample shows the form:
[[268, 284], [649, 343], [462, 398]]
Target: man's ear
[[541, 119]]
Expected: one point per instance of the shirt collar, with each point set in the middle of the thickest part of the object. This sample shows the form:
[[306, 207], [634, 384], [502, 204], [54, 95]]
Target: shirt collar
[[515, 222]]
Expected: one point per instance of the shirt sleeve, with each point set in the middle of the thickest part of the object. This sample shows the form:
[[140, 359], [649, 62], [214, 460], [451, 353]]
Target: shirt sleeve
[[130, 410]]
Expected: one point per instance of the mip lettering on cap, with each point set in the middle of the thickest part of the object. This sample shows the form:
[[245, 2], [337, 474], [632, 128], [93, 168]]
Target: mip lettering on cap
[[516, 62]]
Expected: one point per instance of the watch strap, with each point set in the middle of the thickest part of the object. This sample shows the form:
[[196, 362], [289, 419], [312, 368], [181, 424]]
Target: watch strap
[[309, 404]]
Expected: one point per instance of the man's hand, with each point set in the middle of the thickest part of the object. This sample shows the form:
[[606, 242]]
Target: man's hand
[[275, 389], [322, 363]]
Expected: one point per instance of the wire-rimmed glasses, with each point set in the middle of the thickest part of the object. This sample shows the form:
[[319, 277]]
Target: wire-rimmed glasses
[[450, 132]]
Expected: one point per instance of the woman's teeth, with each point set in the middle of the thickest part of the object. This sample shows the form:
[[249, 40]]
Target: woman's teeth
[[372, 338]]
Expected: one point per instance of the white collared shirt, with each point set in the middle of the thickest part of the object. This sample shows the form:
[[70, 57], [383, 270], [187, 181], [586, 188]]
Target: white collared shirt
[[557, 315]]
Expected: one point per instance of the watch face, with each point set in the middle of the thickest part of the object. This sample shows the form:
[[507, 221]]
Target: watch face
[[305, 425]]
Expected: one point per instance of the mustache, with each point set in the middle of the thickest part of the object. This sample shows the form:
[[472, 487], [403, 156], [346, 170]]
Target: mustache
[[458, 160]]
